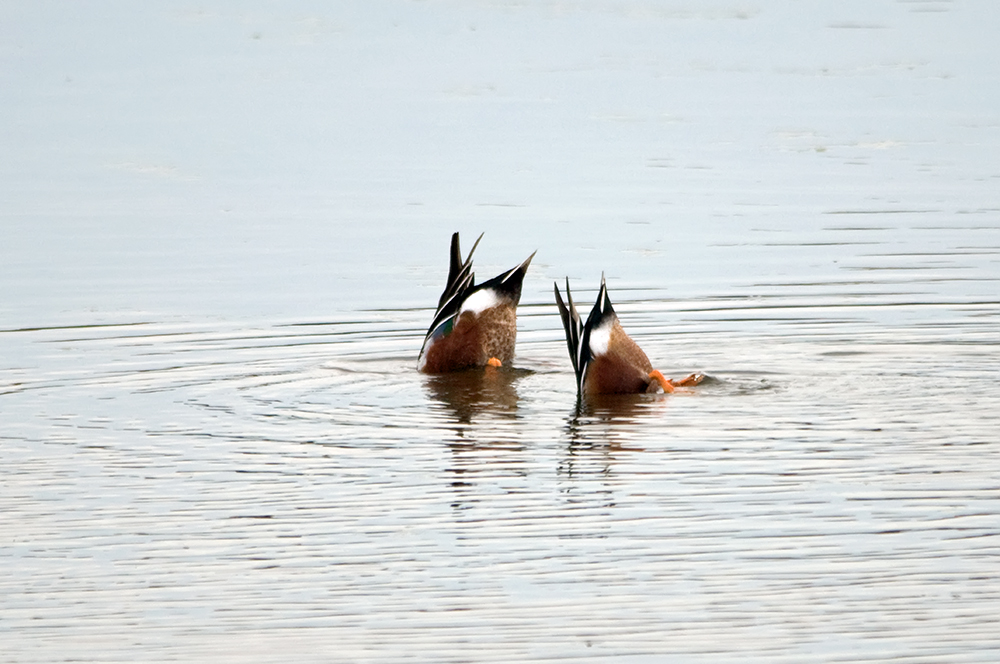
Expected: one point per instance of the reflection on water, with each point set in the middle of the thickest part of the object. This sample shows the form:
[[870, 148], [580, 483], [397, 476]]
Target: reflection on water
[[304, 481], [469, 393]]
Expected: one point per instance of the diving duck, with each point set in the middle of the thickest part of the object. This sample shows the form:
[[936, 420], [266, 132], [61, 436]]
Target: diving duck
[[606, 360], [473, 326]]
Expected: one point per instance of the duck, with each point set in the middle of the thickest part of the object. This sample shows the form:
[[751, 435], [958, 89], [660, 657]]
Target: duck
[[474, 325], [606, 360]]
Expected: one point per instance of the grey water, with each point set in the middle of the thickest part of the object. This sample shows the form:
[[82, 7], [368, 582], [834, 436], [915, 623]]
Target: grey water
[[224, 230]]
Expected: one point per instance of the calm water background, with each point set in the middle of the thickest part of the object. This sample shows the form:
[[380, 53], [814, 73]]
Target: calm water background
[[224, 228]]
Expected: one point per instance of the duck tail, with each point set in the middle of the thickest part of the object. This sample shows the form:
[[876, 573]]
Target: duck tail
[[509, 283], [460, 275], [574, 329], [602, 310], [461, 279]]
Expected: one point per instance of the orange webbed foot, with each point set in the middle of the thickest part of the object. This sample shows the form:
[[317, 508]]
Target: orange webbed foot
[[669, 385], [494, 362], [688, 381]]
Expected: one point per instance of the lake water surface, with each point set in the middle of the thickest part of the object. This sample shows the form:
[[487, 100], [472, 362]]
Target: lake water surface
[[225, 229]]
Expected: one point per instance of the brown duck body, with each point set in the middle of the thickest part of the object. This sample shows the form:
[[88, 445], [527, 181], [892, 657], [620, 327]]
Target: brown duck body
[[474, 339], [622, 369], [473, 325]]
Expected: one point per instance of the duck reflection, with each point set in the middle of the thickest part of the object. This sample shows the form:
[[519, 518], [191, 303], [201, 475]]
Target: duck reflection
[[620, 409], [469, 393], [600, 427], [481, 412]]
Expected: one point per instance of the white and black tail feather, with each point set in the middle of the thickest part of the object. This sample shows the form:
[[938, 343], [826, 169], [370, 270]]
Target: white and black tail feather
[[571, 323], [578, 333], [461, 281], [508, 285], [602, 311]]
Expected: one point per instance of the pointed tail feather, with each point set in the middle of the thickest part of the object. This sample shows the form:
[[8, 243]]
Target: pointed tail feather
[[602, 308], [509, 283], [458, 270], [574, 333], [461, 279]]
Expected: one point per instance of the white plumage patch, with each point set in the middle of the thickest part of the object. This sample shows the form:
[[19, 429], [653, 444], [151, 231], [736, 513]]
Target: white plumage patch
[[480, 301], [599, 338]]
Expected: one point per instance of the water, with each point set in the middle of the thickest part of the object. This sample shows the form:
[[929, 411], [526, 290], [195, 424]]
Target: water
[[224, 232]]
